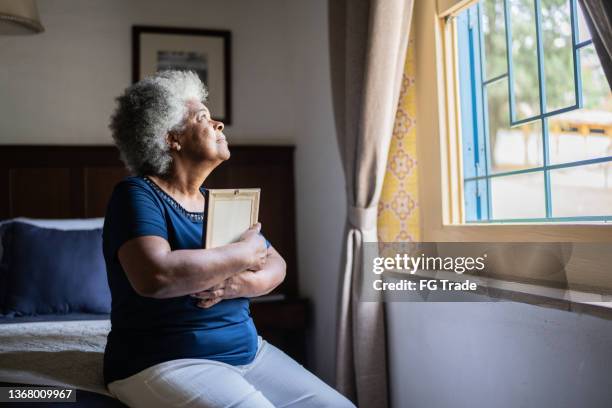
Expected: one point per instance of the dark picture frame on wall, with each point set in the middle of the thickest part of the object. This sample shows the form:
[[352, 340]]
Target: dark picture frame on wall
[[207, 52]]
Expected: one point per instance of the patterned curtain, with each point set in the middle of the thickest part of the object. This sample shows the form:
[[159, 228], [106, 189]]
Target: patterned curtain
[[398, 209]]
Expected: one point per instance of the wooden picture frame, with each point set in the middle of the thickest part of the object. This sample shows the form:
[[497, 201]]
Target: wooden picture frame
[[229, 213], [206, 52]]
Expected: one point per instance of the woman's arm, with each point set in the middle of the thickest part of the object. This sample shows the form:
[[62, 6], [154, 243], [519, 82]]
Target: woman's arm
[[154, 270], [248, 283]]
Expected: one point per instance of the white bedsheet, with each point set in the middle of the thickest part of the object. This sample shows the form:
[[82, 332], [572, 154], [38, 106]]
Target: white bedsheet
[[54, 353]]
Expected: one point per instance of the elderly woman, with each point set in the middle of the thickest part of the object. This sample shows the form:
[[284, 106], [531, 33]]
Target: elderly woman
[[181, 330]]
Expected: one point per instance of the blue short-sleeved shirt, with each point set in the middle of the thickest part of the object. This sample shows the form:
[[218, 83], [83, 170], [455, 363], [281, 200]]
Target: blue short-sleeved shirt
[[147, 331]]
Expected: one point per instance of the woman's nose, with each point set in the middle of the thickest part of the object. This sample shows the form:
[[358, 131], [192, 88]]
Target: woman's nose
[[219, 126]]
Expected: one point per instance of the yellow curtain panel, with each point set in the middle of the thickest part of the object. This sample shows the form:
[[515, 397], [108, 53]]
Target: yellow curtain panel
[[398, 209]]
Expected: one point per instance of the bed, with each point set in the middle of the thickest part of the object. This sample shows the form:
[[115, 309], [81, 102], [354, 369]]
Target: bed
[[54, 334], [61, 351]]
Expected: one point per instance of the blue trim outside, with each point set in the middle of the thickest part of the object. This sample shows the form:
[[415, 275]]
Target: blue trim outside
[[483, 137], [469, 121]]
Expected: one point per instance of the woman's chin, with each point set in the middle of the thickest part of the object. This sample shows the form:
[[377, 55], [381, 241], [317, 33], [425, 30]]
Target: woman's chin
[[224, 152]]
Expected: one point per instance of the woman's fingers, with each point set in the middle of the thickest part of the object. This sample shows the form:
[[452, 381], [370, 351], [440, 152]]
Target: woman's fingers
[[210, 297], [209, 294], [205, 304], [254, 230]]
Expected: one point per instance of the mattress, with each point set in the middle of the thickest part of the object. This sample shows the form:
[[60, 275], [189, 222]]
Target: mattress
[[59, 353]]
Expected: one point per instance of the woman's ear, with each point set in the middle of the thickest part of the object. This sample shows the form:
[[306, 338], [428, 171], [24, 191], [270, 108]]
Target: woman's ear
[[173, 141]]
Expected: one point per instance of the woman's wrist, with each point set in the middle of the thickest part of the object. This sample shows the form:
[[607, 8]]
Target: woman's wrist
[[243, 255]]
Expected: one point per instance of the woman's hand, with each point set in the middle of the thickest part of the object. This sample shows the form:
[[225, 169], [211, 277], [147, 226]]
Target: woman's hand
[[247, 283], [256, 245], [239, 285], [210, 297]]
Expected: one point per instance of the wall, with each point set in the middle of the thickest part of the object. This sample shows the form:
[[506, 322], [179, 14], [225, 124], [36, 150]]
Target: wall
[[321, 189], [502, 355], [59, 88]]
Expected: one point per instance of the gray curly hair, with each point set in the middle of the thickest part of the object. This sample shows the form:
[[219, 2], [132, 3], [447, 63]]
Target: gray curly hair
[[146, 112]]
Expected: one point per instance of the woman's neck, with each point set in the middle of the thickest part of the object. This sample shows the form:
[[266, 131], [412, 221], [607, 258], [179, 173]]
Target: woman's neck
[[184, 182], [185, 191], [185, 185]]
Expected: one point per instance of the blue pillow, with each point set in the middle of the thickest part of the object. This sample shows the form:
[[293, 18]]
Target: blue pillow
[[48, 271]]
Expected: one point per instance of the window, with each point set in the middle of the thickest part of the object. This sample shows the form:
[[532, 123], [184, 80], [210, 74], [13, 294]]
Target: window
[[536, 114]]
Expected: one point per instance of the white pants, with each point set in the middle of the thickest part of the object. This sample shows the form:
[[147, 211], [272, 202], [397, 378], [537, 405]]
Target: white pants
[[272, 379]]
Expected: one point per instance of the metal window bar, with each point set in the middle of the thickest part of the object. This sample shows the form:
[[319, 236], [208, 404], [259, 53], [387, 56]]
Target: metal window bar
[[543, 168], [542, 88], [495, 79], [576, 46], [576, 68]]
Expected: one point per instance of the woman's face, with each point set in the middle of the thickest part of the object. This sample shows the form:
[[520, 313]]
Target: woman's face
[[203, 138]]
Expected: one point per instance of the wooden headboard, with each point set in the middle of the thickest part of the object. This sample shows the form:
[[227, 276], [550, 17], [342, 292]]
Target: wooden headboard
[[76, 182]]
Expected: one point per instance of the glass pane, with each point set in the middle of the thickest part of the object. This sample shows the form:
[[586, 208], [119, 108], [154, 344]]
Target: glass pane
[[494, 33], [584, 133], [558, 54], [511, 148], [583, 30], [524, 58], [520, 196], [595, 89], [582, 191]]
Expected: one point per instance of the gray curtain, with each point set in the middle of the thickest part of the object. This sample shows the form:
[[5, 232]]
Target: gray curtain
[[368, 41], [598, 16]]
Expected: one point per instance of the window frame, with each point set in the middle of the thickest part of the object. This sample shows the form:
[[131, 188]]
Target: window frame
[[440, 159], [477, 151]]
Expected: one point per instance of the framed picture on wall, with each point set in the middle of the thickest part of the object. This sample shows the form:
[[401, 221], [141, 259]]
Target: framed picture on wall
[[206, 52]]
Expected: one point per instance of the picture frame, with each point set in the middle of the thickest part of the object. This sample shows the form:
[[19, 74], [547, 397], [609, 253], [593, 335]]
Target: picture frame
[[229, 213], [207, 52]]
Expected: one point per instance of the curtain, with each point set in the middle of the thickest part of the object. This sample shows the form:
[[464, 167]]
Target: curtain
[[598, 16], [368, 40], [398, 209]]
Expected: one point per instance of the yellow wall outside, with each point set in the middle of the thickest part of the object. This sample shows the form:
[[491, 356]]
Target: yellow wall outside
[[398, 209]]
